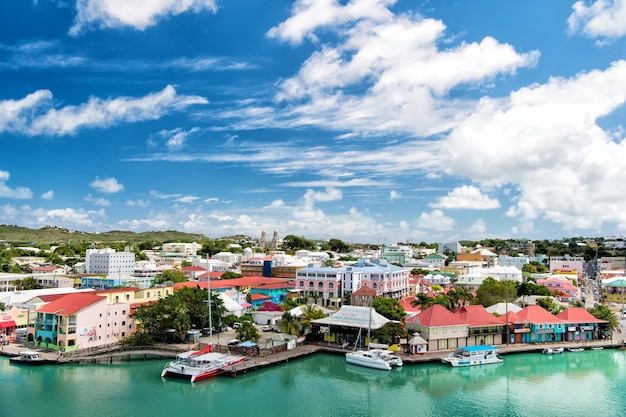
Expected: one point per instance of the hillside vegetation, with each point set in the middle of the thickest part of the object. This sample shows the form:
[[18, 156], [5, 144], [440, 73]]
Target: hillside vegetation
[[51, 234]]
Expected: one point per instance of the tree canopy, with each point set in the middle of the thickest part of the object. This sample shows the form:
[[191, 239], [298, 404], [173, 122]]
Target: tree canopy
[[390, 308]]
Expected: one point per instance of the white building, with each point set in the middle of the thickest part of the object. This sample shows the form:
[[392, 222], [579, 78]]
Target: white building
[[183, 248], [109, 262], [516, 261]]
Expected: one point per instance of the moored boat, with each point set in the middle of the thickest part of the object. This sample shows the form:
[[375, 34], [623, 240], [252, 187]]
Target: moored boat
[[28, 357], [374, 358], [197, 365], [575, 349], [552, 351], [473, 355]]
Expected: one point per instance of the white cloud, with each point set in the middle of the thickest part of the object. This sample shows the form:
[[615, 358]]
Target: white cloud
[[275, 204], [545, 142], [34, 115], [138, 14], [188, 199], [602, 18], [107, 185], [395, 59], [394, 195], [97, 200], [435, 220], [478, 228], [65, 217], [48, 195], [466, 197], [20, 193], [175, 139], [138, 203]]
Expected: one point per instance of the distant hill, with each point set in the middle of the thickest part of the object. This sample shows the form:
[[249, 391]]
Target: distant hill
[[52, 234]]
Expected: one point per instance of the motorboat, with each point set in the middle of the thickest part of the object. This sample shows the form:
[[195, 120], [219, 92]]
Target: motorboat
[[374, 358], [28, 357], [597, 348], [575, 349], [473, 355], [197, 365], [553, 351]]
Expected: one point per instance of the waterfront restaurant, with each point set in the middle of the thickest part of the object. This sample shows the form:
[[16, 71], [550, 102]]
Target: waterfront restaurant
[[349, 325]]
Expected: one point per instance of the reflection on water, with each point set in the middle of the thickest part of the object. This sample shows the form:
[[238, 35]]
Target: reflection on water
[[589, 382]]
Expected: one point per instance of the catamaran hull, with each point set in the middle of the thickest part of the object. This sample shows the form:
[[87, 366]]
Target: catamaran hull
[[367, 362]]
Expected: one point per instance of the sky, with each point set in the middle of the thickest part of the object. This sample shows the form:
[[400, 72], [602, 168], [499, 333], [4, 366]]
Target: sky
[[377, 121]]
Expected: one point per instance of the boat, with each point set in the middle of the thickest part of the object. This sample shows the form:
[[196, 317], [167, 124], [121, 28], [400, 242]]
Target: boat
[[597, 348], [373, 358], [552, 351], [575, 349], [197, 365], [28, 357], [473, 355]]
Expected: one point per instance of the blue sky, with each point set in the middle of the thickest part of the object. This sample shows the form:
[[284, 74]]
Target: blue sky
[[362, 120]]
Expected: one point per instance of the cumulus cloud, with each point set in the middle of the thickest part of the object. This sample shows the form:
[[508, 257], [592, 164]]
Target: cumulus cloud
[[394, 59], [544, 141], [107, 185], [48, 195], [67, 217], [35, 114], [20, 193], [478, 228], [435, 220], [134, 13], [600, 19], [466, 197]]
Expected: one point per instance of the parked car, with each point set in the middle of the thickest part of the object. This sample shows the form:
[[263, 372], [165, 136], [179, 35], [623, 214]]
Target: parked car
[[268, 328], [233, 342], [237, 325]]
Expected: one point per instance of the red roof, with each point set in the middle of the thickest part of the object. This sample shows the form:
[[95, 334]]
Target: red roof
[[365, 291], [51, 297], [437, 316], [578, 315], [537, 314], [406, 305], [259, 297], [114, 290], [193, 268], [477, 315], [71, 303]]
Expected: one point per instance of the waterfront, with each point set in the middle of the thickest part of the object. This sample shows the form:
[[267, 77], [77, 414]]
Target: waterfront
[[531, 384]]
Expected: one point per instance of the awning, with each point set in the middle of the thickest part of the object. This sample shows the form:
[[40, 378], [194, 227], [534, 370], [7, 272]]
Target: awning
[[7, 324]]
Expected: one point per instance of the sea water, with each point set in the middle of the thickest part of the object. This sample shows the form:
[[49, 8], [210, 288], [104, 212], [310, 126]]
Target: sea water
[[589, 383]]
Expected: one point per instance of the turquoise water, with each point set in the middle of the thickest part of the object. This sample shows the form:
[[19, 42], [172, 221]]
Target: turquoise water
[[572, 384]]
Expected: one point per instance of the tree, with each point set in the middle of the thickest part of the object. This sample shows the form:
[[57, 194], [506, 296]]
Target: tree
[[602, 312], [549, 304], [337, 246], [3, 307], [419, 271], [390, 333], [172, 275], [309, 313], [289, 324], [230, 275], [423, 301], [493, 292], [389, 308], [248, 331], [464, 295], [295, 243]]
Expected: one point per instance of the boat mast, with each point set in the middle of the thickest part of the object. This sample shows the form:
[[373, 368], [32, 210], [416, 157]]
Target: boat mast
[[208, 280], [369, 325]]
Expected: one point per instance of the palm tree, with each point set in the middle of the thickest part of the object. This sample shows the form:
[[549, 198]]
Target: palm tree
[[309, 313], [423, 301], [465, 295], [289, 324]]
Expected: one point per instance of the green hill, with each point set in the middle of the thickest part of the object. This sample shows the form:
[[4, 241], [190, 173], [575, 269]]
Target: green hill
[[52, 234]]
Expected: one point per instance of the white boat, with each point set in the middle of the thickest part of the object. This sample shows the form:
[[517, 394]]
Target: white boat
[[575, 349], [374, 358], [553, 351], [597, 348], [473, 355], [197, 365], [28, 357]]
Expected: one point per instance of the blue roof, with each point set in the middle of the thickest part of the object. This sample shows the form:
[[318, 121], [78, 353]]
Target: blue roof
[[478, 348], [248, 343]]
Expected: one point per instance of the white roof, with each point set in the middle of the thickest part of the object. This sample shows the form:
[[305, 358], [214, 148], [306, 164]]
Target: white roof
[[297, 311], [354, 316], [230, 304], [501, 308]]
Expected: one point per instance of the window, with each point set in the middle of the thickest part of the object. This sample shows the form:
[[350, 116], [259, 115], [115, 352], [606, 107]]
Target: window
[[331, 285], [301, 284]]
